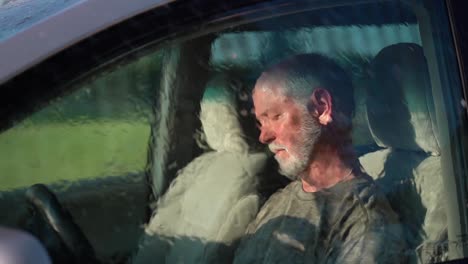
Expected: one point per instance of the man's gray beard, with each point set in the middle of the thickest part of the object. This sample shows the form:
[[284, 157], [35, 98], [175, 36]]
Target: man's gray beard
[[297, 164]]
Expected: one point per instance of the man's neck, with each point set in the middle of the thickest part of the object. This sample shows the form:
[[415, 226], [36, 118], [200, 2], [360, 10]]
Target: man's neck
[[326, 170]]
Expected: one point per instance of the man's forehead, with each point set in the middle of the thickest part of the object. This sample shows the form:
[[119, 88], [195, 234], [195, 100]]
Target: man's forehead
[[265, 100], [264, 96], [267, 88]]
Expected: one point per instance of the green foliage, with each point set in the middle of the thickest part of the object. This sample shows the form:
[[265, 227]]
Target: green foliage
[[47, 153]]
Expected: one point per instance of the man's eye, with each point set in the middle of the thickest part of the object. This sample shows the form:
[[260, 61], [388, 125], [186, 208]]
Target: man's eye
[[277, 116]]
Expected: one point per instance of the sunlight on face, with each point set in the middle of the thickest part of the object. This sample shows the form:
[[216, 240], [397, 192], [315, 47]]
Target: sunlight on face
[[288, 128], [299, 154]]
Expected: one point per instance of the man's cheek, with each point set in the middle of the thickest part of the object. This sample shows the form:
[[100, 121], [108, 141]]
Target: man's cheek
[[291, 140], [295, 121]]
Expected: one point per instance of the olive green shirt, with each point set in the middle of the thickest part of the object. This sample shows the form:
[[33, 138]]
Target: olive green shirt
[[350, 222]]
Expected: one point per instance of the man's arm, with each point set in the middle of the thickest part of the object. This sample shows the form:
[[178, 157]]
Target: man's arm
[[372, 246], [369, 233]]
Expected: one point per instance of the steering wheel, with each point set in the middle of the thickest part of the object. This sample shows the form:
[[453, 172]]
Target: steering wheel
[[49, 209]]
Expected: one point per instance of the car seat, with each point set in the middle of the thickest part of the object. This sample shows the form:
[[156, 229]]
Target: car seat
[[401, 118], [208, 206]]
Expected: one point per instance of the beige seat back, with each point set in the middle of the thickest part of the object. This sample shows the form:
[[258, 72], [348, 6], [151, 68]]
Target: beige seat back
[[401, 119], [209, 205]]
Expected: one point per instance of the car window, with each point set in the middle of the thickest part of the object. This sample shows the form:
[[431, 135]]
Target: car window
[[355, 55], [366, 148], [101, 129], [397, 114]]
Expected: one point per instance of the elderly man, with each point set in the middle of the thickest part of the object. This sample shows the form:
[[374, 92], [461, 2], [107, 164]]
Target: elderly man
[[331, 212]]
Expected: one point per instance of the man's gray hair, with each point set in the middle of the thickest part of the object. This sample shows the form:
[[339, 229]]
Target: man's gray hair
[[298, 76]]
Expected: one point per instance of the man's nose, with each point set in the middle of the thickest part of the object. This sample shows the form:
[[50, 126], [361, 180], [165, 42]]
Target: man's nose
[[266, 136]]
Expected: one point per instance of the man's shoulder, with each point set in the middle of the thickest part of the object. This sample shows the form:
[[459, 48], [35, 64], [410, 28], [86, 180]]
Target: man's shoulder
[[371, 199], [362, 187]]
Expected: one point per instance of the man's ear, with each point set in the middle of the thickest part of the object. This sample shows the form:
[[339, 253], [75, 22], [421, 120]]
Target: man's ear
[[321, 102]]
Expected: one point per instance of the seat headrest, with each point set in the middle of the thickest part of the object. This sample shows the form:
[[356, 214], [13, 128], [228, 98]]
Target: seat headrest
[[219, 117], [399, 104]]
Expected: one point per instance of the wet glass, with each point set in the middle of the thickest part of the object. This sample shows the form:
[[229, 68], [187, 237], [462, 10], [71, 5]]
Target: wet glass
[[99, 130], [181, 120], [396, 134]]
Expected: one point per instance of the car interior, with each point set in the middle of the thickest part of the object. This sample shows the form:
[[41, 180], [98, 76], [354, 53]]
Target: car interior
[[205, 175]]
